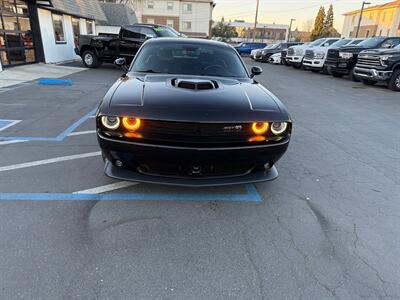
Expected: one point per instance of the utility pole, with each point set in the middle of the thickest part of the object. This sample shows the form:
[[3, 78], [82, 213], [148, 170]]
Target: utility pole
[[290, 29], [255, 21], [361, 13]]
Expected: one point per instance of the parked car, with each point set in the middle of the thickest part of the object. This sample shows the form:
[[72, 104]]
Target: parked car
[[295, 54], [275, 59], [315, 58], [247, 47], [187, 112], [379, 65], [277, 48], [342, 61], [95, 50]]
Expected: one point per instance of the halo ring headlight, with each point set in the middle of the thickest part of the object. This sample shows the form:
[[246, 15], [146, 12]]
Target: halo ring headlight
[[131, 124], [260, 127], [110, 122], [278, 128]]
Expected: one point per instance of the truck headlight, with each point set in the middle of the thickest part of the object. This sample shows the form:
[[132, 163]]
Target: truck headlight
[[345, 55], [278, 128], [319, 55], [110, 122]]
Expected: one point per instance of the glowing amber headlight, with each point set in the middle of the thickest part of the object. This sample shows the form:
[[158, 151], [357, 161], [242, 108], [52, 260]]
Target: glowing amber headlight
[[260, 127], [131, 124]]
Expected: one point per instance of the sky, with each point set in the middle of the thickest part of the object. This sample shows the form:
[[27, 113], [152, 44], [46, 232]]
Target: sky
[[282, 11]]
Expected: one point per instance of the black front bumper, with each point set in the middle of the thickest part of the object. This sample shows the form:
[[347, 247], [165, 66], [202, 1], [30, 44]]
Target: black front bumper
[[188, 166]]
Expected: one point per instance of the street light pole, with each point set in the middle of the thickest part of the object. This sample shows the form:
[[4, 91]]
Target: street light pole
[[290, 29], [361, 13], [255, 21]]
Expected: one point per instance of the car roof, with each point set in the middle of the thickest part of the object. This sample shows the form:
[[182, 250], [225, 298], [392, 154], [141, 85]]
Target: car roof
[[180, 41]]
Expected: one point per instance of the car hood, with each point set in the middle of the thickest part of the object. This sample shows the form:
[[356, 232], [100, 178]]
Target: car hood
[[156, 97]]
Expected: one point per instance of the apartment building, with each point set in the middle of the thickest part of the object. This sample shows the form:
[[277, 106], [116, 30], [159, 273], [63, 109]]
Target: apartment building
[[377, 20], [191, 17]]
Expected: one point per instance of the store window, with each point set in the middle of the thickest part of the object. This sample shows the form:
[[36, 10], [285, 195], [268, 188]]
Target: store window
[[89, 27], [58, 26]]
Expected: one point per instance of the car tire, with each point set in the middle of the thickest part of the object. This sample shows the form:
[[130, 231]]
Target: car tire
[[369, 82], [337, 75], [394, 83], [90, 59]]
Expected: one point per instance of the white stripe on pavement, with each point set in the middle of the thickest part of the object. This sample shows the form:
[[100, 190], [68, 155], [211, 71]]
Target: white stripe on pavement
[[11, 142], [82, 132], [48, 161], [108, 188]]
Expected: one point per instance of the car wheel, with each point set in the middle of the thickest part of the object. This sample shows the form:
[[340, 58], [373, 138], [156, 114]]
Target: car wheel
[[369, 82], [90, 59], [337, 75], [394, 83], [353, 76]]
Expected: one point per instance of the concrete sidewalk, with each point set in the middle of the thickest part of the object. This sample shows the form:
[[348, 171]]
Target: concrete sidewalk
[[22, 74]]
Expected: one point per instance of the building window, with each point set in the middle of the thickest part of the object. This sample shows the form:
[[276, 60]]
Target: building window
[[58, 26], [150, 21], [187, 8], [170, 23], [75, 27], [170, 5], [150, 4], [89, 27], [186, 25]]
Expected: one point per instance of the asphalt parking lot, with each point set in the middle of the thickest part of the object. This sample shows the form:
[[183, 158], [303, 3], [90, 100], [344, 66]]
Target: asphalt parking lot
[[328, 228]]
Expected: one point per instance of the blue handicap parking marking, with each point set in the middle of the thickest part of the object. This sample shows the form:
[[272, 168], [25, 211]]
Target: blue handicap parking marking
[[251, 195], [4, 124]]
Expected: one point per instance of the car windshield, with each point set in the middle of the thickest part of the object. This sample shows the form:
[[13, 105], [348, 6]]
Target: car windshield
[[371, 42], [164, 31], [340, 43], [189, 59], [317, 42]]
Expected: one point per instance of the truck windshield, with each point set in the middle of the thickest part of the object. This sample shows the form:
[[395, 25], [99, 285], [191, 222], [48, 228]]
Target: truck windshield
[[371, 42], [189, 59], [166, 32]]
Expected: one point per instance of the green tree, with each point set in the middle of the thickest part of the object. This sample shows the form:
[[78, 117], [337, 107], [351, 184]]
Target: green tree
[[328, 23], [318, 30], [223, 31]]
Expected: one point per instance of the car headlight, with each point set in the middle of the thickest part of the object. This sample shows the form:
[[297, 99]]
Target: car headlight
[[131, 124], [110, 122], [319, 55], [345, 55], [260, 127], [278, 128]]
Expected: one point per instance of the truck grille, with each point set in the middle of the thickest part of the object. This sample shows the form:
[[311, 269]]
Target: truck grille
[[309, 54], [290, 52], [369, 61]]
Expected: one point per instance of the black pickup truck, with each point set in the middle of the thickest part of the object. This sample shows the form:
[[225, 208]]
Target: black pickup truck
[[379, 65], [95, 50], [342, 61]]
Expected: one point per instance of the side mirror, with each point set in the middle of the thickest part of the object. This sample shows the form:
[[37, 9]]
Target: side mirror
[[255, 71], [121, 62]]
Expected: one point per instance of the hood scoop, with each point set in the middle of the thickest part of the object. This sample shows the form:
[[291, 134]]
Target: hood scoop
[[194, 84]]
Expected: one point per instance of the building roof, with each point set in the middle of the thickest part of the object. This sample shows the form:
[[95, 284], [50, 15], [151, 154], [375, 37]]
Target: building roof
[[118, 14], [89, 9], [259, 25], [375, 7]]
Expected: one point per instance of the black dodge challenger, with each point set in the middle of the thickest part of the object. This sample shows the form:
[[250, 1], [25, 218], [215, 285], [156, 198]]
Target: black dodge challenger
[[187, 112]]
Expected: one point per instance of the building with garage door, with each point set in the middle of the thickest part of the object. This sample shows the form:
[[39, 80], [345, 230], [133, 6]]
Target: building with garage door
[[44, 30]]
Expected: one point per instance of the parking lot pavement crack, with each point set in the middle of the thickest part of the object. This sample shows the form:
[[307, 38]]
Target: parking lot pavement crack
[[251, 260]]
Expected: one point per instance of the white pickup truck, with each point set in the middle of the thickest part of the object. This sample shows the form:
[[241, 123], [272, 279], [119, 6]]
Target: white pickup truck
[[314, 59]]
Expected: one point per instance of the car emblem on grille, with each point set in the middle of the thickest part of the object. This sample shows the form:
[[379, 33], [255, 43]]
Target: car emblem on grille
[[233, 128]]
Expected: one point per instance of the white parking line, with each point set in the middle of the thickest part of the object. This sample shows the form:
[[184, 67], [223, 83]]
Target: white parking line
[[11, 142], [48, 161], [82, 132], [108, 188]]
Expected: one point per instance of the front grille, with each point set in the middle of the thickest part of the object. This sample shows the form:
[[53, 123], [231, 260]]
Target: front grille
[[309, 54], [333, 54], [290, 52], [369, 61]]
